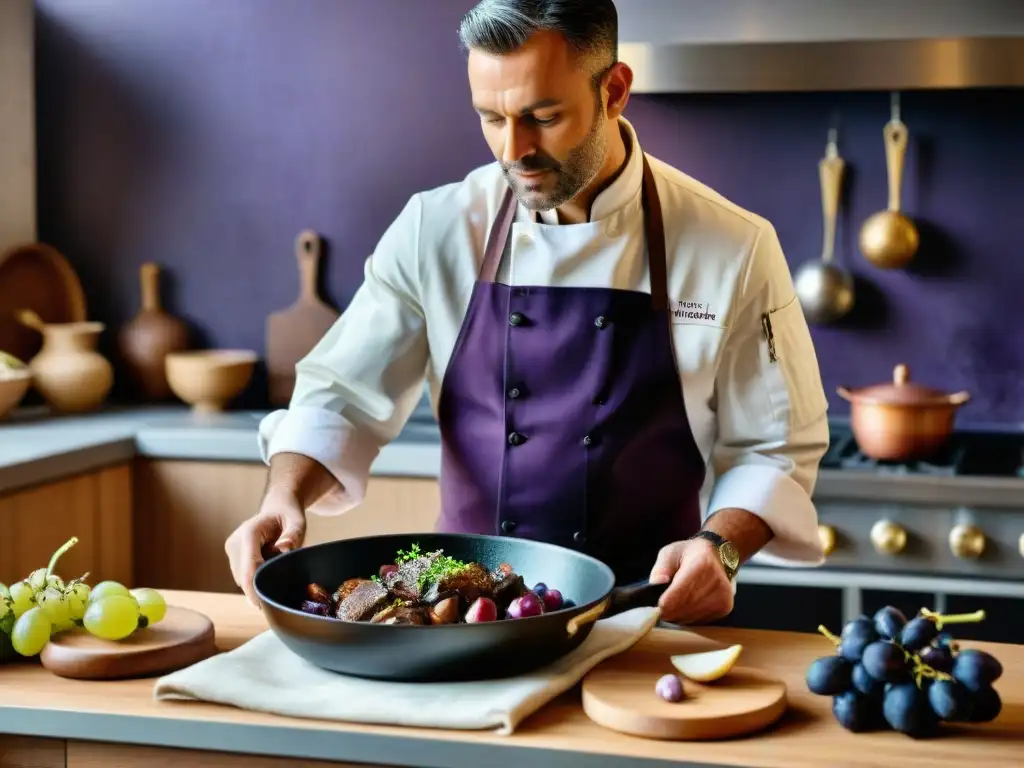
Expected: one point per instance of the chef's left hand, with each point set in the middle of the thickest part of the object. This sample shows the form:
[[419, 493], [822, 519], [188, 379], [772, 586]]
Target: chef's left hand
[[699, 591]]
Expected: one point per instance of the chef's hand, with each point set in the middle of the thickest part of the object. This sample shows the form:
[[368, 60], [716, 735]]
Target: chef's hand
[[699, 591], [279, 526]]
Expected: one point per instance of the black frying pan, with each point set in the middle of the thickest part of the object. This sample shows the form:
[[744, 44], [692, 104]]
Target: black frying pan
[[446, 652]]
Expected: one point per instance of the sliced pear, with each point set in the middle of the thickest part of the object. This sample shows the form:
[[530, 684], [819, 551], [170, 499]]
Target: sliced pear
[[707, 666]]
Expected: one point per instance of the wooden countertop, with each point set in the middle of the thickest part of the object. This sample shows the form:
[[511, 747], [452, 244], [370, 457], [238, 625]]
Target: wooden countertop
[[35, 703]]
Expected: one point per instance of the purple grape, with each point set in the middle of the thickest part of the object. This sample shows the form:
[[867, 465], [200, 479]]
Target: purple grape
[[539, 588], [567, 603], [552, 600], [526, 606], [938, 658], [670, 688]]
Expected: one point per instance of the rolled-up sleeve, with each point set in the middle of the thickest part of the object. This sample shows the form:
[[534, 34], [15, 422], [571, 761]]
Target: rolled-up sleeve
[[771, 410], [358, 386]]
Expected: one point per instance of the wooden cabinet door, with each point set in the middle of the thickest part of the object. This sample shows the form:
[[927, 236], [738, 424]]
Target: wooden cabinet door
[[187, 509], [95, 507]]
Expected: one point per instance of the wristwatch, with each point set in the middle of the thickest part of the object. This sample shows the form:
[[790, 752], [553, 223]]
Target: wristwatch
[[727, 552]]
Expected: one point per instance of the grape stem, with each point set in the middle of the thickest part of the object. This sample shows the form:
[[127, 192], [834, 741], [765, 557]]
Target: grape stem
[[953, 618], [824, 630], [57, 555]]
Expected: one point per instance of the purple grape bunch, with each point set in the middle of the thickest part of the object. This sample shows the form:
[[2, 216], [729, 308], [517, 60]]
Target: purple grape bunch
[[907, 675]]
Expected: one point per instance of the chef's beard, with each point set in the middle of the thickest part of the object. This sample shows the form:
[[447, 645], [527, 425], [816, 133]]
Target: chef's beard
[[571, 177]]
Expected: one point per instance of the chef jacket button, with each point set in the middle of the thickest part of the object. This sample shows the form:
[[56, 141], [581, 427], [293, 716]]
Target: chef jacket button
[[516, 318], [516, 439], [507, 526], [600, 321], [514, 392], [588, 441], [579, 537]]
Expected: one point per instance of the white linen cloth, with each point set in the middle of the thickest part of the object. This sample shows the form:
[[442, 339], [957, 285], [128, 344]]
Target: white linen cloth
[[264, 676]]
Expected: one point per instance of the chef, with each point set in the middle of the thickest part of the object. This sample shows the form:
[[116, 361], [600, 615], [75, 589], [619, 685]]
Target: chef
[[615, 353]]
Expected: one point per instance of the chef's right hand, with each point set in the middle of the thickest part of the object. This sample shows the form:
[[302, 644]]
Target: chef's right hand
[[279, 526]]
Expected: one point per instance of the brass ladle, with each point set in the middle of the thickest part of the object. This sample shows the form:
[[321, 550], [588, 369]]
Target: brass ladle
[[888, 239], [824, 288]]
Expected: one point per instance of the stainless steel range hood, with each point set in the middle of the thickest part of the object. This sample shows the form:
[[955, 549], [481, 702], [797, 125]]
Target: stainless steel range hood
[[681, 46]]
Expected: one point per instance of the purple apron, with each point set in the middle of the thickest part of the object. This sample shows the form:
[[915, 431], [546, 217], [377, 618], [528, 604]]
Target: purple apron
[[562, 416]]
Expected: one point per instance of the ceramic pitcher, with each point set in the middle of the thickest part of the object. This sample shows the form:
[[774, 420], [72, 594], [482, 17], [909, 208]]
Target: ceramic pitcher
[[69, 372]]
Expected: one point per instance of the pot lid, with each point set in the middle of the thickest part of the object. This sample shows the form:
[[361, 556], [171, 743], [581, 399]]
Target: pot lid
[[902, 391]]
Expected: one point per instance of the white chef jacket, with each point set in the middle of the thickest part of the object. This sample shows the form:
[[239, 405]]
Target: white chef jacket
[[756, 407]]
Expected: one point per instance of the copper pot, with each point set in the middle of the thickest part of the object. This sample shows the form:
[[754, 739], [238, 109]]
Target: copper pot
[[902, 421]]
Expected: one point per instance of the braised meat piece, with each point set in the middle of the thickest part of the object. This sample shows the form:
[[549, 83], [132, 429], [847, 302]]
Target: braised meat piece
[[403, 614], [469, 582], [346, 589], [363, 601], [317, 594], [405, 582]]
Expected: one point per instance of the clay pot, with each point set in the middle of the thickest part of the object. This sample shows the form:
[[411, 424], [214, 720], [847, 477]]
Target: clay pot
[[68, 372], [149, 337], [902, 421], [210, 379]]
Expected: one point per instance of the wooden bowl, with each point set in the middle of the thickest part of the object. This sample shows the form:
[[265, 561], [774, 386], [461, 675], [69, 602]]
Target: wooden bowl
[[14, 385], [209, 379]]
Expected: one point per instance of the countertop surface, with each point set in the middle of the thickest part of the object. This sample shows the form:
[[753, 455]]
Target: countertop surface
[[37, 447], [35, 703]]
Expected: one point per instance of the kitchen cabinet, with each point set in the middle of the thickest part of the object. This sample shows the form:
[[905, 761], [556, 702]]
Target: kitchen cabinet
[[96, 507], [32, 752], [185, 510]]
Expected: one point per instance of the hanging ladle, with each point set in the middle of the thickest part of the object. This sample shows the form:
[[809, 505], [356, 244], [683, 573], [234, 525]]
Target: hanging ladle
[[825, 290], [889, 239]]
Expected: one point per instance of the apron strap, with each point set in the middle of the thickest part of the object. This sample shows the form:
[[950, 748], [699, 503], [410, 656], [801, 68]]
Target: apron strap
[[654, 233]]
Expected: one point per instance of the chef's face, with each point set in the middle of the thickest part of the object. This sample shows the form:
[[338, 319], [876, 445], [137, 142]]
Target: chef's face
[[544, 118]]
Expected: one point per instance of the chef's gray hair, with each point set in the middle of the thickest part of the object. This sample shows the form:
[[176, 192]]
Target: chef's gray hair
[[501, 26]]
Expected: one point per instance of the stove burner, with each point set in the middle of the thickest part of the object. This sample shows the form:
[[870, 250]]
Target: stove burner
[[967, 454], [844, 454]]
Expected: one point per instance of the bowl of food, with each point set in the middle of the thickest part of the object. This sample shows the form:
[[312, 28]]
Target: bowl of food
[[15, 380], [209, 379], [439, 606]]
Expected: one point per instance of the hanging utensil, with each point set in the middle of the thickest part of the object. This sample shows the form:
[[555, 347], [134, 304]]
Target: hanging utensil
[[825, 290], [888, 239]]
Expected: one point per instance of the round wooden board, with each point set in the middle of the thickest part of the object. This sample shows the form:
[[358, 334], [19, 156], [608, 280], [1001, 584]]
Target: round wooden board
[[184, 637], [619, 694]]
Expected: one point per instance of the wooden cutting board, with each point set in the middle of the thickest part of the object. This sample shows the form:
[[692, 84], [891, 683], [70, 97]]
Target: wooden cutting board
[[36, 276], [619, 694], [184, 637], [293, 332]]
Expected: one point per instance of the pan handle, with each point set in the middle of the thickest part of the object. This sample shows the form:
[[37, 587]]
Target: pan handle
[[641, 594]]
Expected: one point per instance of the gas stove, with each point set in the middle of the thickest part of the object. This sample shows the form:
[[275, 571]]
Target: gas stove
[[969, 453], [946, 533]]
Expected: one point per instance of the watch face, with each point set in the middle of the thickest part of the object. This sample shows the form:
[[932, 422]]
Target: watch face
[[730, 555]]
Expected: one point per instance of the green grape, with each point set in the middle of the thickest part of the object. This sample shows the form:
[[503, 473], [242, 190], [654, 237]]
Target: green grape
[[56, 608], [108, 589], [5, 591], [77, 595], [22, 598], [151, 604], [5, 606], [37, 580], [31, 632], [55, 581], [113, 617]]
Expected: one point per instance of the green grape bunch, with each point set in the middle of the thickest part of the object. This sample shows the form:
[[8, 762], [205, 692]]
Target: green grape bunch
[[34, 610]]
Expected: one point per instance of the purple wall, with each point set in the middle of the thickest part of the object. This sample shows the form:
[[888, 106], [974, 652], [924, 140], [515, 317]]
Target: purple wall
[[204, 136]]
